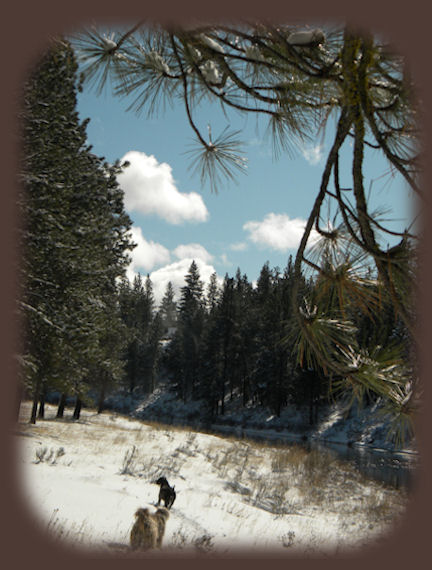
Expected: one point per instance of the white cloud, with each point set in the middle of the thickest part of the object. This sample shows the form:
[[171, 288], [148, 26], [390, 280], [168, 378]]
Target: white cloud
[[278, 231], [150, 188], [313, 154], [239, 246], [147, 254], [194, 251], [175, 272], [224, 259]]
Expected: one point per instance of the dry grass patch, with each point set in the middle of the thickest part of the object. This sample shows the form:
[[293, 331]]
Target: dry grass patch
[[384, 505]]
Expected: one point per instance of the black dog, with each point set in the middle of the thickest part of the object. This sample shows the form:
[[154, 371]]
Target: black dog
[[166, 493]]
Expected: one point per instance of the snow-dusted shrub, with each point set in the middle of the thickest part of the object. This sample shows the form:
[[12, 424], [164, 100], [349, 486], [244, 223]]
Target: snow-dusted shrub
[[59, 453], [60, 530], [288, 539], [42, 455], [129, 462], [238, 488], [233, 460], [179, 539], [203, 543], [270, 495], [189, 447]]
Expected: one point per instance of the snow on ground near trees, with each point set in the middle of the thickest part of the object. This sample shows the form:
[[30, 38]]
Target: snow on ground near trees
[[85, 479]]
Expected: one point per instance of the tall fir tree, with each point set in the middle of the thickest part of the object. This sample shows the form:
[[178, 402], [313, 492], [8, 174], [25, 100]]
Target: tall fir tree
[[73, 235], [168, 309], [191, 318]]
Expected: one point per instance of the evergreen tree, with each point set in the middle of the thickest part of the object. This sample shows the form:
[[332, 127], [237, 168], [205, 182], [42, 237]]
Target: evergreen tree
[[228, 346], [151, 333], [144, 328], [154, 351], [74, 234], [168, 309], [246, 339], [227, 314], [267, 307], [136, 318], [211, 364], [172, 361], [212, 292], [191, 317]]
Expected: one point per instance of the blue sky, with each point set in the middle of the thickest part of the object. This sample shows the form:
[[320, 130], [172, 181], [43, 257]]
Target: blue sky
[[176, 219]]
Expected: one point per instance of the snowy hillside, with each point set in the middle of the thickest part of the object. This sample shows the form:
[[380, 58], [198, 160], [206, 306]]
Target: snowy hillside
[[85, 479], [364, 427]]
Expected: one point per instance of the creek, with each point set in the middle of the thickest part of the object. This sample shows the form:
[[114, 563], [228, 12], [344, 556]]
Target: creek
[[394, 468], [397, 469]]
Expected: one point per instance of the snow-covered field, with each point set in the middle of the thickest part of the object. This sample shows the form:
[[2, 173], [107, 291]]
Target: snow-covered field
[[85, 479]]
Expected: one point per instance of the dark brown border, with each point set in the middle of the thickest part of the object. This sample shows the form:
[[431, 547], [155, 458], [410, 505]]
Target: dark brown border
[[25, 28]]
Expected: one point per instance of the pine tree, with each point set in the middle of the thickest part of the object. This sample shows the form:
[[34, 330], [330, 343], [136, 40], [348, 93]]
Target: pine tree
[[74, 234], [168, 309], [144, 331], [212, 292], [247, 343], [150, 336], [191, 316], [136, 315], [154, 351], [211, 364], [227, 317]]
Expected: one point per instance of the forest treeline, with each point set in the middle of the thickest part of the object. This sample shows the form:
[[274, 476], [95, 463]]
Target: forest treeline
[[237, 339], [87, 330]]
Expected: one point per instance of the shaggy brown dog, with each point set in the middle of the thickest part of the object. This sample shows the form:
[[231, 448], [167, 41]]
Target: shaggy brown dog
[[166, 493], [148, 529]]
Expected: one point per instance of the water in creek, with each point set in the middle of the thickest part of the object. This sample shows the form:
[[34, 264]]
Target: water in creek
[[390, 468], [396, 469]]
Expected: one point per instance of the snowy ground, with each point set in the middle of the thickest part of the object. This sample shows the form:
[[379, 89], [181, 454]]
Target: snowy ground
[[85, 479]]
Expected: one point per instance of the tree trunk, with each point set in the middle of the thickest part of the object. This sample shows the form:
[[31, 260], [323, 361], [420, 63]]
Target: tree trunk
[[34, 410], [35, 401], [101, 399], [245, 387], [61, 406], [41, 414], [278, 408], [77, 410]]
